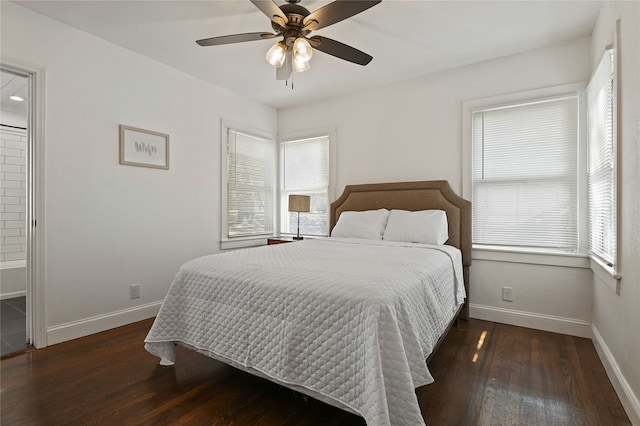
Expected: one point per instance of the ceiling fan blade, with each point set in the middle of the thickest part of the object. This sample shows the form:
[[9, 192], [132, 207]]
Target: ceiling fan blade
[[269, 8], [336, 12], [234, 38], [340, 50]]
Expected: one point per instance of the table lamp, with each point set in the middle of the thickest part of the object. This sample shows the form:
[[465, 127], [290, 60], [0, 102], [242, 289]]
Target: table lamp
[[299, 203]]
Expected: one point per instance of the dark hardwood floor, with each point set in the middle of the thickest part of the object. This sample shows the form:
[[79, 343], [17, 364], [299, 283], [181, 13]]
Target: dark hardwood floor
[[486, 374]]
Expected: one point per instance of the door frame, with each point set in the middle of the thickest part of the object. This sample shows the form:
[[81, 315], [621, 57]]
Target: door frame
[[36, 307]]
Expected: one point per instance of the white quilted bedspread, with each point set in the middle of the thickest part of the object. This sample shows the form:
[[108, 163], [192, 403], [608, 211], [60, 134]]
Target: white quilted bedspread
[[349, 321]]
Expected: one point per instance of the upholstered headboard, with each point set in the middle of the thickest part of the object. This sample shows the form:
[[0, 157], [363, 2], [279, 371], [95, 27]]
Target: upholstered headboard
[[413, 196]]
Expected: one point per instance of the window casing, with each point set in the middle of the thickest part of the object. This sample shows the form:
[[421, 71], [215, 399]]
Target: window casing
[[249, 184], [305, 170], [525, 175], [602, 161]]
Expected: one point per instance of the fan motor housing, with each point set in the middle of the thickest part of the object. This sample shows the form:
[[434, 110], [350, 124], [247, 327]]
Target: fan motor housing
[[294, 9], [295, 14]]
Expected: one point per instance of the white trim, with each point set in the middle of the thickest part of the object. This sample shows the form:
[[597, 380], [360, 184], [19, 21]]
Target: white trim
[[555, 324], [12, 295], [85, 327], [330, 133], [619, 143], [569, 260], [574, 88], [225, 126], [36, 285], [628, 398], [606, 275], [243, 242], [606, 255]]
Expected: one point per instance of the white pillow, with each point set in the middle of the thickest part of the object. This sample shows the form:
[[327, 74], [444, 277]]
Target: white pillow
[[425, 226], [368, 224]]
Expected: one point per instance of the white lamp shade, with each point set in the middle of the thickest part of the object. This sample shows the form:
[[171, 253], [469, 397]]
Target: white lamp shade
[[299, 203]]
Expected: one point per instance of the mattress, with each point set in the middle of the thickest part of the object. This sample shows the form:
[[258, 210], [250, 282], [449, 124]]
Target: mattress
[[348, 321]]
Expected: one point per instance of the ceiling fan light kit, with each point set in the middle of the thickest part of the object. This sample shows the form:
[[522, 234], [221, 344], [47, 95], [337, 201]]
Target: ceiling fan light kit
[[294, 22], [302, 50], [299, 65], [277, 54]]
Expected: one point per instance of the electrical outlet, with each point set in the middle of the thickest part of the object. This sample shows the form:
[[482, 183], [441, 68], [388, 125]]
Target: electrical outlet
[[507, 294], [135, 291]]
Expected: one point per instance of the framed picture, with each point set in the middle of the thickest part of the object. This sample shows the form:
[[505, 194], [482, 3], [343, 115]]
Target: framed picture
[[144, 148]]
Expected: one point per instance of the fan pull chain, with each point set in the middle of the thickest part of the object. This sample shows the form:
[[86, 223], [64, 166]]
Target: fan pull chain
[[286, 82]]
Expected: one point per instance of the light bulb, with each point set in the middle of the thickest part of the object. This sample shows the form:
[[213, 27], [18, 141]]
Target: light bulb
[[302, 49], [298, 65], [276, 55]]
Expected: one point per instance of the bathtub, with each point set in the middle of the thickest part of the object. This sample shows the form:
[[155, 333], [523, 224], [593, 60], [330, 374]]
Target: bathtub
[[13, 279]]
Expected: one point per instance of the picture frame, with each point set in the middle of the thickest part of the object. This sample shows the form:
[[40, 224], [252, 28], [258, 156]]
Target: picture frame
[[144, 148]]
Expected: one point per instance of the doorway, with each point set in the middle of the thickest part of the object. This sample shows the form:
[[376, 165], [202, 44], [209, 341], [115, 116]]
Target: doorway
[[21, 192], [14, 101]]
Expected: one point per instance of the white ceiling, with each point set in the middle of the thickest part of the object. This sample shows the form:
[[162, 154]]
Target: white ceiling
[[407, 38], [12, 84]]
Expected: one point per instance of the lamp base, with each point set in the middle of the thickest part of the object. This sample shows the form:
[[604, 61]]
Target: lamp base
[[298, 238]]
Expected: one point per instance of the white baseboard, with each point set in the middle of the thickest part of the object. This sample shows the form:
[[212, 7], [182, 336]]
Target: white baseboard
[[628, 398], [570, 326], [12, 295], [85, 327]]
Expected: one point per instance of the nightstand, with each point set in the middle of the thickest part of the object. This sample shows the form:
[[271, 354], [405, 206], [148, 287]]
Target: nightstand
[[280, 240]]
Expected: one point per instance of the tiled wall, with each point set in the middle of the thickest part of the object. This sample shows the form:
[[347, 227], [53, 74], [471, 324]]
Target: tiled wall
[[13, 194]]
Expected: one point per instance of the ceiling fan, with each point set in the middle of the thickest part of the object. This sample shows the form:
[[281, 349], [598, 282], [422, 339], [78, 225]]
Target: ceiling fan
[[294, 23]]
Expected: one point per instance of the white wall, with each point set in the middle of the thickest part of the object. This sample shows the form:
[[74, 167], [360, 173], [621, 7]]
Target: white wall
[[109, 226], [616, 318], [412, 130]]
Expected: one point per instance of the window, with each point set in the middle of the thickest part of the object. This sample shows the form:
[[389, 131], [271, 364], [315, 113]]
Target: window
[[601, 161], [525, 174], [248, 190], [304, 170]]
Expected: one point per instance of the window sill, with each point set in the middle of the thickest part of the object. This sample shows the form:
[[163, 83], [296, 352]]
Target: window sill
[[243, 242], [530, 256], [606, 275]]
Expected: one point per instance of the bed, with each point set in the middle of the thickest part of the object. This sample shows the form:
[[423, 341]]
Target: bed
[[349, 321]]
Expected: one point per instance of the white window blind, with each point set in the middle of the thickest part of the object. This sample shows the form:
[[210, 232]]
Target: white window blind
[[250, 185], [524, 177], [601, 160], [305, 171]]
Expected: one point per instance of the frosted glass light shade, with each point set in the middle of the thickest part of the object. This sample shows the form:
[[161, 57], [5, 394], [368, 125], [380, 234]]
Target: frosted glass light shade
[[302, 49], [298, 65], [277, 54]]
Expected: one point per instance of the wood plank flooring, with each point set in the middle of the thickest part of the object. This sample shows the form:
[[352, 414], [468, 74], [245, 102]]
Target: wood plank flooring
[[485, 374]]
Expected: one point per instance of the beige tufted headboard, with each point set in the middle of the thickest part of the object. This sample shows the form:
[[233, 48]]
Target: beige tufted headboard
[[424, 195]]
